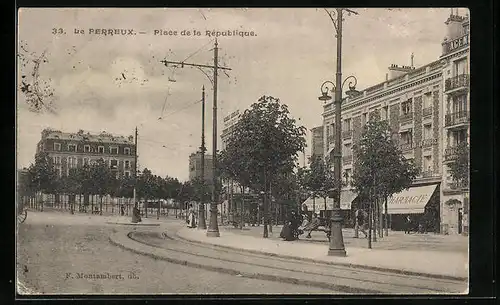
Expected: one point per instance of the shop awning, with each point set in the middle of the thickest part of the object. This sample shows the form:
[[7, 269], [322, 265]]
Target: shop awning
[[346, 199], [410, 201]]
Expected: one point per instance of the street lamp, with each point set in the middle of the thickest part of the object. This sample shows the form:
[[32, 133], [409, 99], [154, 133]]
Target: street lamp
[[336, 246]]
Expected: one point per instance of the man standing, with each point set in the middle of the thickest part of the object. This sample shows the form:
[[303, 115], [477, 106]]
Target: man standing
[[408, 224]]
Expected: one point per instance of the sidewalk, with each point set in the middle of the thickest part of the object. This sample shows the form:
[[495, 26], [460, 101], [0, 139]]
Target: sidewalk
[[417, 262], [65, 218]]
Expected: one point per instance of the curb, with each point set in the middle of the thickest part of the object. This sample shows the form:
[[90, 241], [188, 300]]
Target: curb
[[259, 276], [134, 224], [374, 268]]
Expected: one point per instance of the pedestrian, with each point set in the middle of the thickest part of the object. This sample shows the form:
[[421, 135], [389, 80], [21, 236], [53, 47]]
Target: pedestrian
[[191, 217], [408, 224], [122, 210], [362, 222]]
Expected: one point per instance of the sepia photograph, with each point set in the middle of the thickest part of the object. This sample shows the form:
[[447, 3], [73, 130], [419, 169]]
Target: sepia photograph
[[242, 151]]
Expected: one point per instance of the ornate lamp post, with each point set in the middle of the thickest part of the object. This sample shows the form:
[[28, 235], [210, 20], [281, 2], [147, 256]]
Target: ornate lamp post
[[336, 246]]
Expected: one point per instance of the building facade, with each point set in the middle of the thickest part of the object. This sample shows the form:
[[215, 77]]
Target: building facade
[[72, 150], [195, 167], [427, 109], [317, 142], [455, 117]]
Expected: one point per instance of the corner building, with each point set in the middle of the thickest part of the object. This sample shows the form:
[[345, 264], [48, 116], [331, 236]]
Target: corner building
[[427, 109], [71, 150]]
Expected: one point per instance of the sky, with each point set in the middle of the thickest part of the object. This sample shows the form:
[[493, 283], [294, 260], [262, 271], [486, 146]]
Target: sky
[[114, 83]]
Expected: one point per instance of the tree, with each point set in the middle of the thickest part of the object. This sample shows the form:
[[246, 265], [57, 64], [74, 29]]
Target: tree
[[380, 168], [265, 142], [43, 175], [102, 179], [321, 179], [71, 185], [459, 168]]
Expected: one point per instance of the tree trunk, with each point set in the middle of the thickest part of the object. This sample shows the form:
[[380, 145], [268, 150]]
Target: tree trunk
[[374, 219], [381, 219], [92, 205], [146, 205], [100, 212], [386, 216], [370, 225], [159, 207], [265, 234], [314, 203]]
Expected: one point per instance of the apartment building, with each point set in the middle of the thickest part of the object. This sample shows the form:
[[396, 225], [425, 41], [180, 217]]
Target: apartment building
[[71, 150], [317, 142], [455, 116], [195, 167], [427, 109]]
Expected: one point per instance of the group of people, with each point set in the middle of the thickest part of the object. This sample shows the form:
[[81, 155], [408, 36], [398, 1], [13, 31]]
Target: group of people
[[297, 224]]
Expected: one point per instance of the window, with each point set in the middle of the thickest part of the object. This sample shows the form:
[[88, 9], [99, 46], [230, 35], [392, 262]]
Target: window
[[347, 176], [347, 150], [407, 137], [113, 150], [85, 161], [126, 150], [72, 162], [427, 131], [427, 166], [127, 174], [100, 149], [459, 103], [127, 164], [459, 136], [460, 67], [86, 148], [113, 164], [57, 146], [72, 147], [347, 125], [56, 160], [406, 107], [59, 172], [427, 99], [384, 113]]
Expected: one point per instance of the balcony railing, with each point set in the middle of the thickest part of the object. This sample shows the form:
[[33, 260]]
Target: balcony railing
[[406, 117], [459, 81], [406, 146], [427, 111], [428, 142], [458, 185], [346, 134], [450, 153], [347, 159], [456, 118], [429, 174]]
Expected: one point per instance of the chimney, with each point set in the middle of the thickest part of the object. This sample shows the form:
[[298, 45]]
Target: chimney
[[454, 28], [386, 76], [396, 71]]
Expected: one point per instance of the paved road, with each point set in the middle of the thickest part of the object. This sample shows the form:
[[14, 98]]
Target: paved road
[[51, 246], [345, 279]]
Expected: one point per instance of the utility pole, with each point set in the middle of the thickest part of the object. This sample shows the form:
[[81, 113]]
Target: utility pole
[[213, 228], [201, 211], [336, 246], [135, 169]]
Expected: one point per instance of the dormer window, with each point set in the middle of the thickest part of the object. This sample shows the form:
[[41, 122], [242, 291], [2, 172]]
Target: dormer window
[[126, 150], [86, 148], [57, 146], [72, 147], [113, 150]]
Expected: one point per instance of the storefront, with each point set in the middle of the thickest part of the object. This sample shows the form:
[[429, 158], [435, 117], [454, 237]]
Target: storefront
[[324, 209], [420, 203]]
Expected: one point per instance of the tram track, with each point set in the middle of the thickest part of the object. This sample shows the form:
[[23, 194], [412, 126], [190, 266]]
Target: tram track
[[337, 278]]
